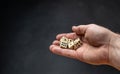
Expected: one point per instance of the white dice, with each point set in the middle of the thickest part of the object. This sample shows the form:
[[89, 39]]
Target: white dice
[[70, 43], [77, 43], [64, 42]]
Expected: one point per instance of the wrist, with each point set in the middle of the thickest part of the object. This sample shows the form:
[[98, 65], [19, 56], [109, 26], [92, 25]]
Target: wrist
[[114, 51]]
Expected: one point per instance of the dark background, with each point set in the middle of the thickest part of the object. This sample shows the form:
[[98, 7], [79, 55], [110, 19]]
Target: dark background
[[28, 27]]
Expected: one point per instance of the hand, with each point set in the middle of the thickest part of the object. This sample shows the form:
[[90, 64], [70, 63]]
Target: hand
[[96, 44]]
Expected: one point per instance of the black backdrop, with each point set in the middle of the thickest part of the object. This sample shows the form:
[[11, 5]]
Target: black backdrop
[[28, 27]]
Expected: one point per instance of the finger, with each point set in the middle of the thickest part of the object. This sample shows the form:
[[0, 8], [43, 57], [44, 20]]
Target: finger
[[56, 42], [63, 52], [72, 35], [60, 35], [81, 29], [68, 35]]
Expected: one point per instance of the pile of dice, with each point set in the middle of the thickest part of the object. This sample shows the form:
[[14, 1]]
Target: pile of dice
[[70, 43]]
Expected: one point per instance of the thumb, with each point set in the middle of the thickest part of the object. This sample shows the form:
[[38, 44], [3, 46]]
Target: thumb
[[81, 29]]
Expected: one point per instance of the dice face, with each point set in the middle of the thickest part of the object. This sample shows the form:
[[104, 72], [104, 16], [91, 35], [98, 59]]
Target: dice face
[[71, 45], [77, 41], [63, 45], [64, 39]]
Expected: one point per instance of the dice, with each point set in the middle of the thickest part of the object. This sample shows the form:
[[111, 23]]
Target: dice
[[70, 43], [64, 42], [77, 43]]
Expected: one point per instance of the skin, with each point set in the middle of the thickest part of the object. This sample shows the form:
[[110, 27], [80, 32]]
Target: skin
[[100, 45]]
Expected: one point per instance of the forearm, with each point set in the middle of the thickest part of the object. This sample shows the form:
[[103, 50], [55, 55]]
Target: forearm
[[114, 51]]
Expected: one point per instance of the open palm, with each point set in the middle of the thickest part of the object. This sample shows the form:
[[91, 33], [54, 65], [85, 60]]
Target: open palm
[[95, 48]]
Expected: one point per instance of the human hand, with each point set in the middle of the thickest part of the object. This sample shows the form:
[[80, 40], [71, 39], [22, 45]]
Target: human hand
[[96, 48]]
